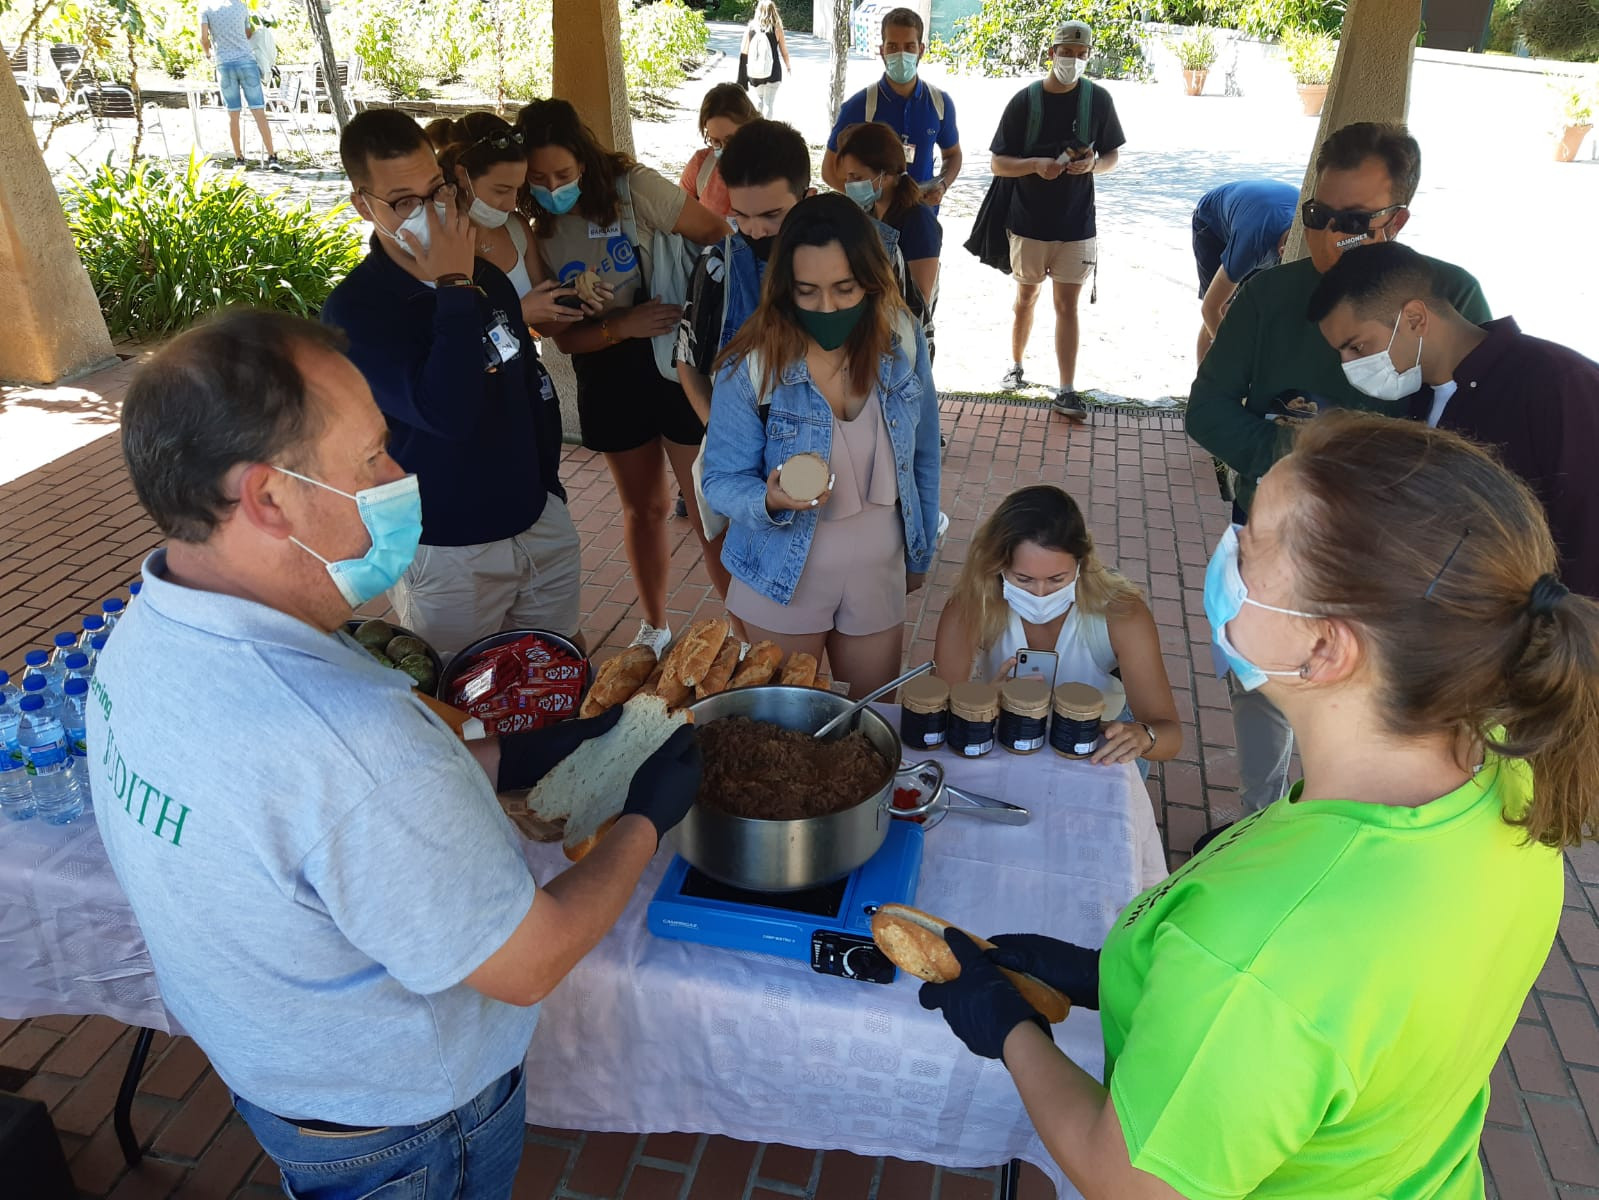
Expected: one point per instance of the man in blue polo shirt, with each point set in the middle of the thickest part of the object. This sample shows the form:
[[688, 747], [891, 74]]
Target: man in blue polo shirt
[[337, 909], [1239, 228], [922, 115]]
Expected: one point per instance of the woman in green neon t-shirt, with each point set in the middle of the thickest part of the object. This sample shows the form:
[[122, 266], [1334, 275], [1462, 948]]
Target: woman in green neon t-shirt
[[1310, 1007]]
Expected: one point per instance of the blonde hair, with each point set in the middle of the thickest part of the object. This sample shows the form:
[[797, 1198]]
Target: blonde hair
[[1047, 517], [764, 18]]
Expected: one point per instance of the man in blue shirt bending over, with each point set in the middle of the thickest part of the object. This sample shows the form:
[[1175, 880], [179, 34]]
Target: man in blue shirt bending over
[[1239, 228], [922, 115]]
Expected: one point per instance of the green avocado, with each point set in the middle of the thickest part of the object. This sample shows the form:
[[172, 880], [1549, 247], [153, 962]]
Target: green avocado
[[420, 668], [404, 646], [382, 658], [374, 634]]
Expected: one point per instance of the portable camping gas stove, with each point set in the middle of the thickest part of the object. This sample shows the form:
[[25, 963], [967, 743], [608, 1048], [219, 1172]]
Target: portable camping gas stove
[[829, 926]]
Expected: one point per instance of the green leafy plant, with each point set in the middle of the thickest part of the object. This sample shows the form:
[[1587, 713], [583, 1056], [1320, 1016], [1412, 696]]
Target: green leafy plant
[[1577, 99], [1502, 28], [1011, 37], [657, 41], [1564, 29], [1263, 19], [1196, 51], [165, 246], [393, 60], [1310, 54]]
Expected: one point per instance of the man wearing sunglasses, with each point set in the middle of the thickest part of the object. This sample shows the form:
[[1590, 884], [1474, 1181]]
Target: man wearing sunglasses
[[1269, 366], [437, 331]]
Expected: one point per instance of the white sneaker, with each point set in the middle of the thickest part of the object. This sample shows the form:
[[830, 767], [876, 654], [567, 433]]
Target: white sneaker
[[943, 528], [1012, 379], [656, 639]]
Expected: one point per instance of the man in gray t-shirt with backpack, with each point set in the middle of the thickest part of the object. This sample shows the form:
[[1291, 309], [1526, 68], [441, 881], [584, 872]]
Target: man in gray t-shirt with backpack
[[225, 29]]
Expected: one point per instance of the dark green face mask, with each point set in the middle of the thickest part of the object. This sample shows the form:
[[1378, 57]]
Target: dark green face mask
[[830, 330]]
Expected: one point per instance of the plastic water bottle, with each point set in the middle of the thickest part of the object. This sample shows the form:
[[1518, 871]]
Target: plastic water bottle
[[96, 649], [44, 743], [38, 663], [75, 724], [16, 789], [111, 612], [78, 667], [92, 624], [39, 685], [133, 590], [65, 644], [9, 692]]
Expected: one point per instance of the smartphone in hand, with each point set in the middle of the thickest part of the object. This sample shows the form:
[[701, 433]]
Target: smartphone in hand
[[1036, 664]]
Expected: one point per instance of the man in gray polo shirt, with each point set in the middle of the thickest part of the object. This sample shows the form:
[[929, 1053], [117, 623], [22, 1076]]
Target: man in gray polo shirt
[[337, 909], [225, 29]]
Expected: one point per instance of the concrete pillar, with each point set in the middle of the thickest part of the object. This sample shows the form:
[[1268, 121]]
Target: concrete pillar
[[1370, 81], [53, 324], [587, 72]]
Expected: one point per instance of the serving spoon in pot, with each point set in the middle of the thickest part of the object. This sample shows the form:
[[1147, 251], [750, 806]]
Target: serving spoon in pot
[[844, 718]]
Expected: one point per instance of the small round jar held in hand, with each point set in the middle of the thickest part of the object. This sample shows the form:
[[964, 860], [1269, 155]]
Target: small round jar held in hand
[[665, 786]]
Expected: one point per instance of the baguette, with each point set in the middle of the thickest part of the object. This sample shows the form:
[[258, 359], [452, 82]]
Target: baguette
[[914, 940], [618, 680], [694, 653], [588, 787], [758, 667], [799, 671], [721, 669], [823, 682]]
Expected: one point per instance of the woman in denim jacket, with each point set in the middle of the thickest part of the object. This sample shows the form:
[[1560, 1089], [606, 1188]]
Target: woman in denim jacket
[[831, 364]]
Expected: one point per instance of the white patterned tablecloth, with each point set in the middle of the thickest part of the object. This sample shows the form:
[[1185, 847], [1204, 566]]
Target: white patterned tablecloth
[[648, 1035]]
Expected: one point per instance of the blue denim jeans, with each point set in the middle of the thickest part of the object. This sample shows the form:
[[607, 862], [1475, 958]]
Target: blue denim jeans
[[469, 1154], [242, 77]]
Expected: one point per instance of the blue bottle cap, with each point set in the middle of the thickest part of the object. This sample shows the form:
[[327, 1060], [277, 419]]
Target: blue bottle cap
[[112, 605], [135, 587], [5, 678], [77, 687], [77, 660], [35, 683], [32, 703], [97, 642], [93, 623], [64, 640], [36, 658]]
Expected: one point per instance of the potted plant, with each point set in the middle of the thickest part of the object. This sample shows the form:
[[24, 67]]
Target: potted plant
[[1310, 54], [1196, 53], [1576, 116]]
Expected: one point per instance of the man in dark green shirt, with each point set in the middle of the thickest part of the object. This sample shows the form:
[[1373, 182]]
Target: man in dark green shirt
[[1270, 366]]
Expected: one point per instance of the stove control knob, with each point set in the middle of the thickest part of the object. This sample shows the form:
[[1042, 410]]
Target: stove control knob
[[865, 962]]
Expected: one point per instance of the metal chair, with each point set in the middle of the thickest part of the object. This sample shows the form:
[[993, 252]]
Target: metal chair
[[107, 103], [27, 78], [66, 62], [283, 107]]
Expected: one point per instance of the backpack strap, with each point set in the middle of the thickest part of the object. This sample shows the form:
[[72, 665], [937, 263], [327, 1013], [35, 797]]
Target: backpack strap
[[871, 103], [1085, 109], [1035, 115], [704, 179], [937, 97], [624, 197]]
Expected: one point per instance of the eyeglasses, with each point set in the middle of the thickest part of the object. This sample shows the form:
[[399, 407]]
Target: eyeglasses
[[499, 141], [715, 143], [1343, 220], [406, 206]]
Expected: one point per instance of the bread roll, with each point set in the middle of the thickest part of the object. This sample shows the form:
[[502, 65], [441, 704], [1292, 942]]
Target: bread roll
[[799, 671], [618, 680], [758, 667], [914, 940], [584, 285], [588, 787], [823, 682], [700, 646], [721, 670], [576, 851]]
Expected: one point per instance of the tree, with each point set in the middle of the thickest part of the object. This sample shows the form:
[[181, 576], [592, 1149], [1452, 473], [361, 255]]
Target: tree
[[839, 56], [330, 72]]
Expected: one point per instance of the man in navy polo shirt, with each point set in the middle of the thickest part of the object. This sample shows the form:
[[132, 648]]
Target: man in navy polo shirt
[[923, 116], [1239, 228]]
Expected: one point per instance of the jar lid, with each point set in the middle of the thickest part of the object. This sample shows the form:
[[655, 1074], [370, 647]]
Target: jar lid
[[974, 701], [924, 694], [1025, 697], [1079, 701]]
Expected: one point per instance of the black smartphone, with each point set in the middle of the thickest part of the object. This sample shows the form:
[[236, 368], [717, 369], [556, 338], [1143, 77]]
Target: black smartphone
[[572, 301]]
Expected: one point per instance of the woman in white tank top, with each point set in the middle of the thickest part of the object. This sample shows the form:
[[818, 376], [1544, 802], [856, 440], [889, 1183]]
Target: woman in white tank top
[[484, 155], [1032, 581]]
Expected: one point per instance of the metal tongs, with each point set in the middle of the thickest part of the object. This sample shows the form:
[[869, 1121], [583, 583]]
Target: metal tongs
[[959, 800], [845, 718]]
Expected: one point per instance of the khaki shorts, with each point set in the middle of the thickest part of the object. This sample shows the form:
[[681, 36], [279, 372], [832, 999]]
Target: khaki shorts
[[1032, 261], [451, 596]]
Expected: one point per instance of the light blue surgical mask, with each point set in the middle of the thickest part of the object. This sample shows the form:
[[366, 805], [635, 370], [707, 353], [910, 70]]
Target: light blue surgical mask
[[865, 192], [1225, 597], [561, 199], [901, 67], [392, 514]]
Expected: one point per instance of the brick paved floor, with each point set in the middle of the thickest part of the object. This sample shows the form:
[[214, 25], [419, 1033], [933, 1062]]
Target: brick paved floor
[[72, 533]]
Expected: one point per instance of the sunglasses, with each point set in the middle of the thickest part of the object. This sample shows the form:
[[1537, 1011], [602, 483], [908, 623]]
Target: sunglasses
[[499, 141], [1343, 220]]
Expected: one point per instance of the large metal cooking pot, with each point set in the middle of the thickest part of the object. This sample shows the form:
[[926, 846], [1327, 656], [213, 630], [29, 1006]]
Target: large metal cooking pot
[[789, 856]]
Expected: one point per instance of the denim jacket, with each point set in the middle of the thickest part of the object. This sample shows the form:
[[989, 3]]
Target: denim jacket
[[768, 551]]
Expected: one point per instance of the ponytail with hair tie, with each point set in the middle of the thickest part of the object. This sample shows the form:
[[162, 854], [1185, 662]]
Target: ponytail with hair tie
[[1546, 594]]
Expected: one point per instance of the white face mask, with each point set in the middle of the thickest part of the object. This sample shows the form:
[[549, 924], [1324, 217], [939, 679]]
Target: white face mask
[[487, 216], [1068, 70], [1039, 610], [1376, 375], [417, 226]]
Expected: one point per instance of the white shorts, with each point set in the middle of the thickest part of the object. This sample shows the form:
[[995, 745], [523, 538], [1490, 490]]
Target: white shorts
[[1032, 261], [451, 596]]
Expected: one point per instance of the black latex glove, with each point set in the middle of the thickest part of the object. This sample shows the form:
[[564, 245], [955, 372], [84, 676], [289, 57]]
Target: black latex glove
[[527, 757], [664, 787], [1070, 970], [981, 1005]]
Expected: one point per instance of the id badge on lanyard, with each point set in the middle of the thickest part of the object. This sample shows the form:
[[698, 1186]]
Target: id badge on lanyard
[[499, 342]]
